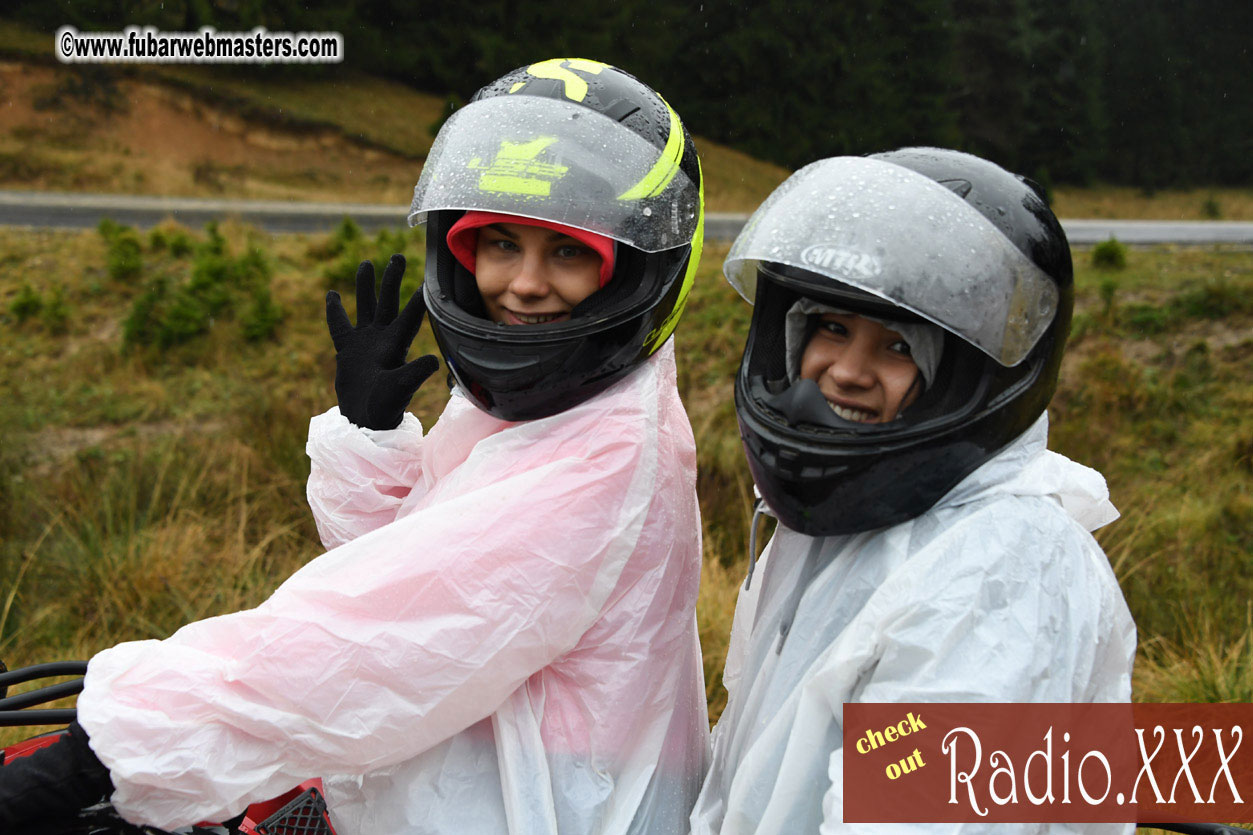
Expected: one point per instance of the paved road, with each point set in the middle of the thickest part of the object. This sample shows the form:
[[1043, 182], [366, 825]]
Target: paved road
[[46, 209]]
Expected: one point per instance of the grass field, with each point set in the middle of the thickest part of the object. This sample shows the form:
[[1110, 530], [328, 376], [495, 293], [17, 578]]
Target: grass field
[[153, 467]]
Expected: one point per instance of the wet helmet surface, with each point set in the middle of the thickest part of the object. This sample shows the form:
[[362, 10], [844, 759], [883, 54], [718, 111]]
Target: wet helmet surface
[[582, 144], [916, 235]]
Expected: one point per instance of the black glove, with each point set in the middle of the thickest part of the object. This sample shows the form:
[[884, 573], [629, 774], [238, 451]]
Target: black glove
[[372, 380], [54, 782]]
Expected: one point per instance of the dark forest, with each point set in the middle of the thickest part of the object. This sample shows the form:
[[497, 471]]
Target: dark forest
[[1151, 93]]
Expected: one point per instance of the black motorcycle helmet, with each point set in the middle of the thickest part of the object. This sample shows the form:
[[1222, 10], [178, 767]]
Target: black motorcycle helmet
[[919, 234], [583, 144]]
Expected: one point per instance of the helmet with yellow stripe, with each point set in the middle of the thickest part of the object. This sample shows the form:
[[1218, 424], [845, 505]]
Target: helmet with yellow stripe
[[585, 145]]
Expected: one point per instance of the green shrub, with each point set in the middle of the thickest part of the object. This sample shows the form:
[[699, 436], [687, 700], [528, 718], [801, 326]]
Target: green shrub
[[56, 313], [390, 241], [252, 270], [346, 236], [124, 260], [262, 317], [1108, 289], [346, 240], [110, 229], [142, 323], [1214, 299], [26, 303], [165, 315], [188, 316], [212, 276], [179, 243], [412, 281], [341, 273], [1146, 319], [1211, 208], [173, 312], [1110, 255], [214, 243]]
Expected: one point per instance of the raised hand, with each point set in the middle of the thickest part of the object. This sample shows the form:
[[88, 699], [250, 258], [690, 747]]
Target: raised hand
[[373, 382]]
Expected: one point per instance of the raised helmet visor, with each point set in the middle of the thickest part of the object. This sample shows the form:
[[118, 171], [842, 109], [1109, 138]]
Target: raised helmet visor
[[555, 160], [907, 239]]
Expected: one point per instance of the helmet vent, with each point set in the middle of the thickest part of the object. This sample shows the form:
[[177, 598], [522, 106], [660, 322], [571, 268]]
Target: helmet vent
[[621, 109], [959, 187]]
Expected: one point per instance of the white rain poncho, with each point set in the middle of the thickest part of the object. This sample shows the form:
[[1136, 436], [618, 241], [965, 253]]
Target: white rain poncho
[[996, 594], [501, 640]]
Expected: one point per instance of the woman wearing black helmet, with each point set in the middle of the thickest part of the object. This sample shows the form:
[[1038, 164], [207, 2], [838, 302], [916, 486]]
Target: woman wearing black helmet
[[910, 311], [502, 635]]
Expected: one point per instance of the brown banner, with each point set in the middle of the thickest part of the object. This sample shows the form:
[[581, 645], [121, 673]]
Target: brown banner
[[1010, 763]]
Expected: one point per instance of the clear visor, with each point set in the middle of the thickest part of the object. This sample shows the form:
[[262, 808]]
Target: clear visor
[[558, 161], [907, 239]]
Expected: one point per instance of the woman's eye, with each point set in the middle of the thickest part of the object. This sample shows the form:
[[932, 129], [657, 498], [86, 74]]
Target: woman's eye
[[900, 346], [571, 251], [833, 327]]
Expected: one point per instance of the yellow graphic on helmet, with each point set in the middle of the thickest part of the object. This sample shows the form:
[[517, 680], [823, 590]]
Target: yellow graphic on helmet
[[559, 69], [662, 332], [515, 170], [667, 165]]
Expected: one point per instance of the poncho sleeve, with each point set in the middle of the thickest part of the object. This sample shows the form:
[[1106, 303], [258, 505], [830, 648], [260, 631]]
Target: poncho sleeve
[[358, 478], [395, 640]]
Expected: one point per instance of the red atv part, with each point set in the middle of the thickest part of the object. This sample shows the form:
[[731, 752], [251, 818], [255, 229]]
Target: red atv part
[[301, 811], [28, 746]]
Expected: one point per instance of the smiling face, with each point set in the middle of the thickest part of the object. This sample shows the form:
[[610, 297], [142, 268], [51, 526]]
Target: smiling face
[[532, 275], [863, 369]]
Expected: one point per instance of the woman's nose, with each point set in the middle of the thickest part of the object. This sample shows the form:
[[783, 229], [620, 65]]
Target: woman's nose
[[531, 279], [852, 368]]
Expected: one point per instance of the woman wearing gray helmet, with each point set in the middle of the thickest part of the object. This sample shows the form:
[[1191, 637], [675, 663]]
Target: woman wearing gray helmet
[[910, 311]]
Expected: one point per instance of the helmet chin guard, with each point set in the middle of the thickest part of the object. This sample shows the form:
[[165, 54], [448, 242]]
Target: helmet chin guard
[[914, 234]]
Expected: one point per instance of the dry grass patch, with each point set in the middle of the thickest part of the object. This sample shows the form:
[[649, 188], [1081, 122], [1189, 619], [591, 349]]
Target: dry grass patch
[[1126, 203]]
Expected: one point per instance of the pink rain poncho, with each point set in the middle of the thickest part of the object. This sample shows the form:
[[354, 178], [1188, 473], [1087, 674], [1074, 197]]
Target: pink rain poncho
[[501, 638]]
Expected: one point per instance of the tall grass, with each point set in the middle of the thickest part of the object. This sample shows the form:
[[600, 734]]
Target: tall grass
[[137, 542], [1212, 662]]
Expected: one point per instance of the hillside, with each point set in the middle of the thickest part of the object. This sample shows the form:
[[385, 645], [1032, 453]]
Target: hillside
[[191, 131]]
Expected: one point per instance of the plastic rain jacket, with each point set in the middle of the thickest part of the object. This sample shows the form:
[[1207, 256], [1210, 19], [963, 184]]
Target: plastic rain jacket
[[996, 594], [501, 639]]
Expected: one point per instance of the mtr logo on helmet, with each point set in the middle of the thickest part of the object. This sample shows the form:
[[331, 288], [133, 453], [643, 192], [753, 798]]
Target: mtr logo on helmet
[[561, 69], [827, 258]]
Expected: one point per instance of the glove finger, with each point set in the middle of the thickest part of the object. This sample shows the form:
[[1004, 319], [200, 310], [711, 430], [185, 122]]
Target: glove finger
[[410, 319], [409, 377], [337, 320], [389, 295], [365, 294]]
